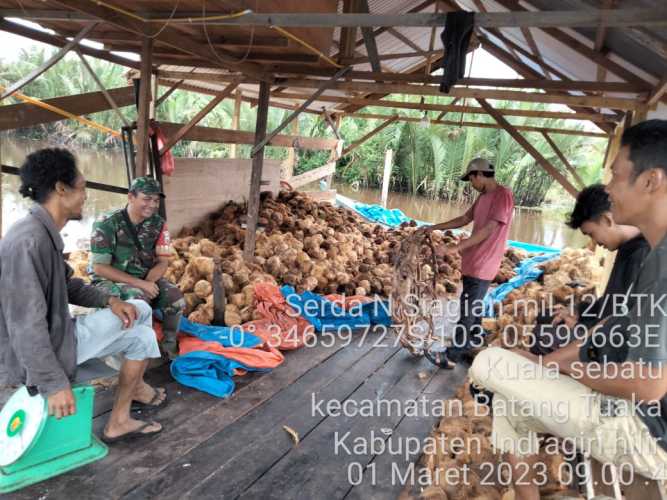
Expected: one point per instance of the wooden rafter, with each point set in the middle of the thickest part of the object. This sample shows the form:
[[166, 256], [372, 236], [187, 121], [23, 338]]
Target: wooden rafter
[[523, 128], [386, 57], [600, 35], [26, 115], [198, 117], [348, 36], [50, 62], [400, 36], [228, 136], [574, 44], [528, 72], [530, 149], [399, 88], [102, 88], [514, 19], [526, 83], [448, 108], [444, 111], [370, 134], [369, 38], [564, 160], [143, 108], [60, 41], [321, 87], [658, 92], [168, 36], [168, 92]]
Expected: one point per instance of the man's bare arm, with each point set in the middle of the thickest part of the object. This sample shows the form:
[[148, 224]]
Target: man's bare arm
[[158, 269]]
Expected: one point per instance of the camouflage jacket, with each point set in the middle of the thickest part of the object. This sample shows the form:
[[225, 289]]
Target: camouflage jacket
[[112, 243]]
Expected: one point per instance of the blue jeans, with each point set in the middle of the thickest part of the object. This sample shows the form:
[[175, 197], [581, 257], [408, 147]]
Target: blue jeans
[[468, 330]]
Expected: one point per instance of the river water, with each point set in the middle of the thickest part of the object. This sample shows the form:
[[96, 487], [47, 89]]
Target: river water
[[108, 166]]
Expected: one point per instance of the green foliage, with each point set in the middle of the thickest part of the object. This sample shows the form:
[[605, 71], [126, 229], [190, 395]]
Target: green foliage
[[428, 161]]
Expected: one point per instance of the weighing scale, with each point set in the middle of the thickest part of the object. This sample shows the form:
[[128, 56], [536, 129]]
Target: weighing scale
[[35, 446]]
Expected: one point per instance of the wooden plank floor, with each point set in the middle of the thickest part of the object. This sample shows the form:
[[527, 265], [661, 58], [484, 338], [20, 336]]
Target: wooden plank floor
[[237, 448]]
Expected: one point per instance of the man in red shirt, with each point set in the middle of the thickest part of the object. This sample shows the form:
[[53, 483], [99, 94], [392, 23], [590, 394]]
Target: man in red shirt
[[481, 255]]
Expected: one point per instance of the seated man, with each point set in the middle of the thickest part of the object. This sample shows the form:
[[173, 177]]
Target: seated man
[[129, 255], [40, 344], [607, 394], [592, 215]]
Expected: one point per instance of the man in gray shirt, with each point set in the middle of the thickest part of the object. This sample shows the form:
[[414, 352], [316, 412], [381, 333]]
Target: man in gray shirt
[[40, 343], [607, 395]]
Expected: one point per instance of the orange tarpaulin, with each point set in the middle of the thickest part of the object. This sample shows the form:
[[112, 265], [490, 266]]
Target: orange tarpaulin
[[258, 357], [280, 326]]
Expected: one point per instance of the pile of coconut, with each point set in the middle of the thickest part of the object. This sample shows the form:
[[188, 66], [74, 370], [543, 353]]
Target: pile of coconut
[[313, 246], [566, 281], [463, 465]]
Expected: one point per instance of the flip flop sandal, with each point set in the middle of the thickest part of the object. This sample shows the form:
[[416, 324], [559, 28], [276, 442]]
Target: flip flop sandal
[[153, 404], [129, 436], [439, 359]]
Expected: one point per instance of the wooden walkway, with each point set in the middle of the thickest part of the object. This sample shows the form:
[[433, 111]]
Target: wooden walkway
[[237, 448]]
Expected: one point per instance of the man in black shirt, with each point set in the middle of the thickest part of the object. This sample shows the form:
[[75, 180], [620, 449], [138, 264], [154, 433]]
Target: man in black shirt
[[607, 395], [592, 215]]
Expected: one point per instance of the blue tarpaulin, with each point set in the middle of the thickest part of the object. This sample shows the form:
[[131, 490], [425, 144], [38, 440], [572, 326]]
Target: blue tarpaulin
[[376, 213], [526, 271], [208, 372], [326, 315]]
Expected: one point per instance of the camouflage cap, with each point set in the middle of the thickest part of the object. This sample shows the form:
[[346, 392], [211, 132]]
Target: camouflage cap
[[146, 185]]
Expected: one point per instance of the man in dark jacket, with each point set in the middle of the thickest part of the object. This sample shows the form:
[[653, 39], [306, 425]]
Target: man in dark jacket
[[40, 343], [592, 216]]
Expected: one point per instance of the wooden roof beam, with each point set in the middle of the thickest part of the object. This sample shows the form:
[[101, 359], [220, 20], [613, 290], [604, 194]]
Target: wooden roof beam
[[530, 149], [370, 134], [167, 35], [449, 108], [15, 116], [198, 117], [434, 90], [566, 163], [513, 19], [658, 93], [457, 123], [49, 63], [348, 35]]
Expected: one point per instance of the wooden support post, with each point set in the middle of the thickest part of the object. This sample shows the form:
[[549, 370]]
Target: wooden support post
[[144, 105], [256, 175], [369, 39], [386, 177], [48, 64], [198, 117], [658, 92], [287, 167], [219, 298], [335, 155], [370, 134], [236, 120], [530, 149], [564, 160], [321, 87], [348, 36]]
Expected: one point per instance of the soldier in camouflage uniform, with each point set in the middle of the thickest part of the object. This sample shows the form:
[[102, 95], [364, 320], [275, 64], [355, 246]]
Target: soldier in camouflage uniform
[[129, 256]]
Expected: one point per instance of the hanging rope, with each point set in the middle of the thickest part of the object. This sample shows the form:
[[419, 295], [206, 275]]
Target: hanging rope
[[414, 292], [62, 112]]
